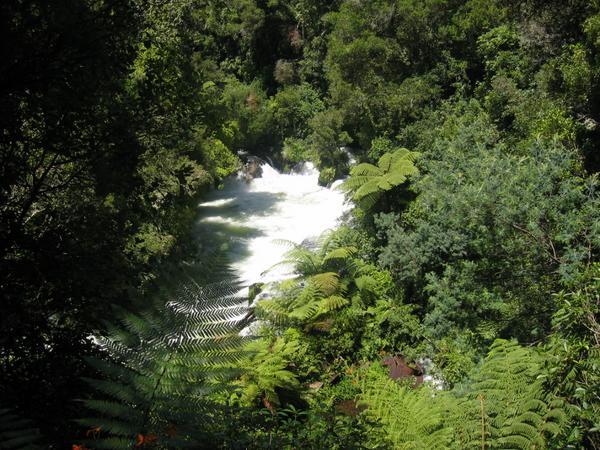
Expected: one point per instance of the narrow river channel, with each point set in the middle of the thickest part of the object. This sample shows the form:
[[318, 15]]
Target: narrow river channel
[[252, 219]]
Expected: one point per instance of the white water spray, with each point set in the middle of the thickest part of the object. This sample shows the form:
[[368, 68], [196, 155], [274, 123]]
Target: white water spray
[[256, 215]]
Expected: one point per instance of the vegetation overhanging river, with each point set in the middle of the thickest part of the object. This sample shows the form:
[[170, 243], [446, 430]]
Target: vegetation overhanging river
[[256, 221]]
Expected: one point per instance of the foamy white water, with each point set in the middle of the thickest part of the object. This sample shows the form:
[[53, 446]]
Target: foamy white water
[[254, 216]]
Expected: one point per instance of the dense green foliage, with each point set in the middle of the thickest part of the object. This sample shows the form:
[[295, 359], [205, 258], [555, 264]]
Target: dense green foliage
[[502, 405], [472, 250], [368, 182]]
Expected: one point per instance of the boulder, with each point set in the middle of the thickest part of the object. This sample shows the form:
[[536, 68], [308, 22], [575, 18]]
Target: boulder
[[254, 290], [399, 369], [252, 169]]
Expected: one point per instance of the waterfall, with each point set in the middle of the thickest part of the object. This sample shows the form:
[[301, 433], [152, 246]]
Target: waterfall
[[253, 218]]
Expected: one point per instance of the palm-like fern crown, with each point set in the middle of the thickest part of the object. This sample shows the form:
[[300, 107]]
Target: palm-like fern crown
[[320, 289], [160, 365], [501, 406], [367, 182], [305, 300]]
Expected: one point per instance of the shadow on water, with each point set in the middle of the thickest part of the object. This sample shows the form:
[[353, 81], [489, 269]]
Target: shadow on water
[[227, 221], [240, 204], [224, 226], [239, 229]]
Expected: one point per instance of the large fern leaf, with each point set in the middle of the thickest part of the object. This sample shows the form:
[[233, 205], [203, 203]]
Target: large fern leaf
[[327, 283], [161, 364], [267, 370], [412, 418], [504, 405]]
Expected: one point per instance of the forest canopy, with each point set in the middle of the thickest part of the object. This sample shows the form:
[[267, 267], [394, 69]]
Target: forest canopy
[[467, 133]]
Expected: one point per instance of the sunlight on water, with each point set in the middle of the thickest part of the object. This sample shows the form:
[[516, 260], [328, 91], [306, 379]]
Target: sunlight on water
[[254, 216]]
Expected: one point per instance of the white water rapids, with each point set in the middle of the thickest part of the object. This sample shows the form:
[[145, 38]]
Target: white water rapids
[[252, 218]]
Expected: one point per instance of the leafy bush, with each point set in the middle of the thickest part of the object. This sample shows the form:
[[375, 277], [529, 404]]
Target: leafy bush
[[486, 229]]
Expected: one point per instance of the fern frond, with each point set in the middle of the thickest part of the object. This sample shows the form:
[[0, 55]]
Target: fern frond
[[284, 243], [163, 363], [305, 312], [17, 433], [267, 369], [340, 254], [273, 310], [506, 396], [331, 303], [367, 182], [368, 188], [367, 170], [503, 405], [365, 283], [389, 160], [327, 283], [412, 418]]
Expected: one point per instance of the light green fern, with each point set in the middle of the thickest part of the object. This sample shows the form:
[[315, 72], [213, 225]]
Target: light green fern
[[267, 370], [312, 260], [330, 277], [412, 418], [368, 182], [306, 300], [502, 406]]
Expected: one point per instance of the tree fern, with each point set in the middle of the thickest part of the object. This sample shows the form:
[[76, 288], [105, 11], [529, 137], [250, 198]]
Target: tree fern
[[309, 261], [161, 364], [320, 289], [17, 433], [308, 299], [302, 258], [368, 182], [340, 254]]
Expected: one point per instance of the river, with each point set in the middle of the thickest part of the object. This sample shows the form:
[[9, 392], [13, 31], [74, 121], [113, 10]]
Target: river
[[252, 220]]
